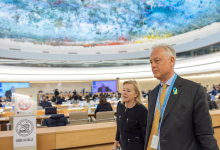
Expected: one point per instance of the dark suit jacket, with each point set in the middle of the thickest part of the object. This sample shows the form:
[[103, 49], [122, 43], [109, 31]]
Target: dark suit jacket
[[45, 104], [186, 124], [8, 93], [106, 89], [60, 101], [103, 107], [56, 93]]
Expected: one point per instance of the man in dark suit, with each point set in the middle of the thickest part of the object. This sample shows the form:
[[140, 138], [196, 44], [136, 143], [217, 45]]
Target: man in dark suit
[[0, 101], [56, 93], [178, 115], [44, 103], [60, 101], [9, 92], [104, 89]]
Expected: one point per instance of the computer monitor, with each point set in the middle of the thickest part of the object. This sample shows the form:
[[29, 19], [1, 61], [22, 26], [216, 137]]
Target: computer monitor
[[50, 110], [81, 104], [213, 97], [65, 103]]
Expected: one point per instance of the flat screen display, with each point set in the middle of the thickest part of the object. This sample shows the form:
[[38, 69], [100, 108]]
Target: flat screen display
[[9, 87], [104, 86]]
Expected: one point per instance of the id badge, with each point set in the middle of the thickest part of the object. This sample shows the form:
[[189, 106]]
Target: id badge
[[155, 142]]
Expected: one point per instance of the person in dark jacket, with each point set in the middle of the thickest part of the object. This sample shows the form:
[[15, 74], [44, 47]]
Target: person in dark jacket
[[55, 120], [56, 93], [103, 105], [60, 101], [74, 92], [208, 96], [44, 103], [214, 92], [131, 119], [0, 101], [119, 96]]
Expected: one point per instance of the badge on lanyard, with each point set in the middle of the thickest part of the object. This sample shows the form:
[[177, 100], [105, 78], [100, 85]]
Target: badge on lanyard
[[155, 142]]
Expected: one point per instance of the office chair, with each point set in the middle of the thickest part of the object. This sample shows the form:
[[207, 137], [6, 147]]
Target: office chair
[[39, 108], [106, 116], [77, 118]]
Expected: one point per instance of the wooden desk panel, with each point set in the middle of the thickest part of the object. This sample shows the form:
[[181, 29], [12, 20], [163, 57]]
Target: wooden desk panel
[[7, 114], [96, 147], [217, 135], [46, 139], [215, 115], [84, 135], [6, 140]]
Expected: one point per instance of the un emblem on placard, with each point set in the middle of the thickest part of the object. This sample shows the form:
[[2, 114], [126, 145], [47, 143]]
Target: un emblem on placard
[[24, 127]]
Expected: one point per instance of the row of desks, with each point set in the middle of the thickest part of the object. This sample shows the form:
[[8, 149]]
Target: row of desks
[[78, 136], [74, 137], [41, 113]]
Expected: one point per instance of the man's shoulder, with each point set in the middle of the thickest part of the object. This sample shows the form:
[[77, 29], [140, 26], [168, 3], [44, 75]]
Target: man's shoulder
[[190, 83]]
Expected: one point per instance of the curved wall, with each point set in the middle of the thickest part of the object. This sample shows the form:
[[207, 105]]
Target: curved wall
[[203, 64]]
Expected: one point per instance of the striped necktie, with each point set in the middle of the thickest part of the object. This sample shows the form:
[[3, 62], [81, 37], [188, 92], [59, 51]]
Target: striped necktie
[[155, 125]]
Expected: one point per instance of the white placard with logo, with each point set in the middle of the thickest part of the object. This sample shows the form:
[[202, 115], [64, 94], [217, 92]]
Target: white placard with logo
[[24, 104], [24, 131]]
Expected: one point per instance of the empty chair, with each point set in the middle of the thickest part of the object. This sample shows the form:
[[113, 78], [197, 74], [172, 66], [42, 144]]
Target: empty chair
[[50, 110], [106, 116], [55, 120], [76, 118], [39, 108], [212, 105]]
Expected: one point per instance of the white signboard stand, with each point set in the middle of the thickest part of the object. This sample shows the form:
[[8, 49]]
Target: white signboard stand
[[24, 131], [24, 124]]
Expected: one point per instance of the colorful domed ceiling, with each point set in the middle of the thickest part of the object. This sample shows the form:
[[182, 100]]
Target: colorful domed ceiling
[[92, 23]]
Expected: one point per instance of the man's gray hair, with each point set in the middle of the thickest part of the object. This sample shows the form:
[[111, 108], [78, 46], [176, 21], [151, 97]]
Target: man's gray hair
[[168, 49]]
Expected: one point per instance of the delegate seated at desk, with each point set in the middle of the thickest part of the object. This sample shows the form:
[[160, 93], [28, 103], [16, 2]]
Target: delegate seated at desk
[[103, 105], [74, 100], [88, 101], [60, 101], [44, 103]]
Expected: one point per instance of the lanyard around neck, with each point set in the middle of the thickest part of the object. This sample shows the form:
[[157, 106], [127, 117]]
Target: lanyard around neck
[[165, 101]]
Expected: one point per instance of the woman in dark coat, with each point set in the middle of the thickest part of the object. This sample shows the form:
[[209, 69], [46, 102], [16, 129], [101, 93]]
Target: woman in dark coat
[[103, 105], [131, 119]]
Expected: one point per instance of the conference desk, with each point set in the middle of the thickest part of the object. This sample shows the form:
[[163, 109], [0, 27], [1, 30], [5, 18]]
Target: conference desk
[[41, 114], [77, 137], [101, 136]]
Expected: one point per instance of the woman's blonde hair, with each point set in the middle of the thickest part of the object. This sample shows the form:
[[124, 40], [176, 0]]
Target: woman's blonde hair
[[136, 89]]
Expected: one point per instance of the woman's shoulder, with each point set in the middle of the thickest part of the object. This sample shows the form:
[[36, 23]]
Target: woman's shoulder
[[120, 104], [141, 107]]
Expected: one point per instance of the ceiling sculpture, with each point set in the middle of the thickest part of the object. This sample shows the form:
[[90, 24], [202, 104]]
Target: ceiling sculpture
[[92, 23]]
